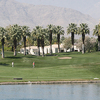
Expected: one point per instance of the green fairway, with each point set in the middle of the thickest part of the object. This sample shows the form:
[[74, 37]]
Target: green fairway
[[50, 68]]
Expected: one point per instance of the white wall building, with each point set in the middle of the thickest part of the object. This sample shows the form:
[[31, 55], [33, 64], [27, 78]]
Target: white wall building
[[30, 50], [34, 49]]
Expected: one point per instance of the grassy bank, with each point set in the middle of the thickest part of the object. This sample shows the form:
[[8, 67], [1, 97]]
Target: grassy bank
[[49, 68]]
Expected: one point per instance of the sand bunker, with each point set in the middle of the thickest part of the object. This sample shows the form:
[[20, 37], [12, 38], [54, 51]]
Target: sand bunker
[[65, 58]]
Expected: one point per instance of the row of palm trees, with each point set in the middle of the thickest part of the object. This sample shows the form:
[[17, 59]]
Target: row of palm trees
[[41, 34], [82, 30], [15, 33]]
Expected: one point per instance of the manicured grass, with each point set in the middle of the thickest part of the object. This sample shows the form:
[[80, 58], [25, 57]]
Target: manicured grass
[[80, 67]]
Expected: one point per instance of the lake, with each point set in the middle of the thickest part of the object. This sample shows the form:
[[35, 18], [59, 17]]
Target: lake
[[50, 92]]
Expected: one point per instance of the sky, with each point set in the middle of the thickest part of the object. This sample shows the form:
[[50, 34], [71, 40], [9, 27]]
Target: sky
[[79, 5]]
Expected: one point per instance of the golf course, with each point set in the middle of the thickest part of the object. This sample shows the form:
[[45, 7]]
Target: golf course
[[69, 66]]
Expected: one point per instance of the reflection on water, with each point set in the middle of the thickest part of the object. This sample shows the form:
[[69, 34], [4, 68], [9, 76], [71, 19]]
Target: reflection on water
[[50, 92]]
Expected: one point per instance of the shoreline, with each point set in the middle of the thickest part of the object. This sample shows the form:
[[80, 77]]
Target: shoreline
[[48, 82]]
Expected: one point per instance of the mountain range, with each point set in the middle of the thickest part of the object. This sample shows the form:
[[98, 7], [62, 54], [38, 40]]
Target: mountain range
[[13, 12], [90, 7]]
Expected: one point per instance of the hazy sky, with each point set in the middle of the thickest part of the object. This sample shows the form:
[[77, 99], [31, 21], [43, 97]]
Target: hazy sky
[[80, 5]]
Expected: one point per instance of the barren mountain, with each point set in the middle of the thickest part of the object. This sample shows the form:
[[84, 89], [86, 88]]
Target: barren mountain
[[13, 12]]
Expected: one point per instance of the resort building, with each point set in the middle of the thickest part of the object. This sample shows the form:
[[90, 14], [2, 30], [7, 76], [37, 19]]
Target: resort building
[[33, 50]]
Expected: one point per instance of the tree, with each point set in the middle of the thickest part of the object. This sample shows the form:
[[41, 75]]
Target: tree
[[14, 33], [83, 29], [67, 43], [59, 31], [50, 29], [2, 37], [43, 36], [62, 39], [72, 28], [89, 44], [79, 44], [0, 45], [29, 41], [96, 32], [54, 39], [7, 45], [37, 33], [25, 32]]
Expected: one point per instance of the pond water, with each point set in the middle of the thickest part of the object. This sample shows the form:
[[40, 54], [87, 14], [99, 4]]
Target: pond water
[[50, 92]]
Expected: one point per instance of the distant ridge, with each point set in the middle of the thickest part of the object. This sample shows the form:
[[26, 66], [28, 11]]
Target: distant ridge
[[13, 12]]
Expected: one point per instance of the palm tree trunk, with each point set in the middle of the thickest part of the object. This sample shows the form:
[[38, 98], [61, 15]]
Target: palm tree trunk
[[38, 44], [83, 51], [38, 51], [15, 45], [24, 38], [42, 44], [29, 48], [72, 38], [50, 49], [42, 51], [58, 37], [83, 47], [2, 47], [50, 42], [12, 48], [98, 43]]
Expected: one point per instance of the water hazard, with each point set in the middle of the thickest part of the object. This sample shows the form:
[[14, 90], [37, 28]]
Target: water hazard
[[50, 92]]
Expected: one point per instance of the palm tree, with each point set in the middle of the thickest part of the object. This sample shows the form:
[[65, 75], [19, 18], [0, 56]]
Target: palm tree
[[43, 36], [2, 37], [50, 29], [25, 32], [14, 33], [37, 32], [72, 28], [96, 32], [83, 29], [59, 31]]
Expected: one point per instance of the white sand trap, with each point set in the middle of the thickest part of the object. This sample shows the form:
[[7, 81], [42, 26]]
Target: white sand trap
[[96, 78], [65, 58]]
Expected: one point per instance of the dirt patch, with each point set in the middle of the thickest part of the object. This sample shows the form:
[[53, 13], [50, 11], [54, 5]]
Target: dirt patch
[[65, 58]]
